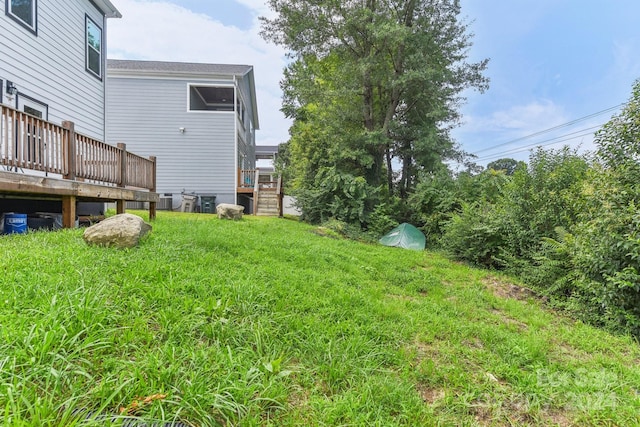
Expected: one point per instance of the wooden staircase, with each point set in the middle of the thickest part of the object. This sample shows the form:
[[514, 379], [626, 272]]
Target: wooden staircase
[[267, 195], [268, 202]]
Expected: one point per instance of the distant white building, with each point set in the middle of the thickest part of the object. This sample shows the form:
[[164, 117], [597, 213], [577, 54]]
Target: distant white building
[[199, 120]]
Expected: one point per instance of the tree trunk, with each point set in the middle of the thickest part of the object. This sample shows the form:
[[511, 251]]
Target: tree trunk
[[389, 169]]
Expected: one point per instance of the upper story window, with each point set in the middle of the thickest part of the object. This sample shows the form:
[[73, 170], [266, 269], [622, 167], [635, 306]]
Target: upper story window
[[241, 111], [211, 98], [23, 12], [94, 48]]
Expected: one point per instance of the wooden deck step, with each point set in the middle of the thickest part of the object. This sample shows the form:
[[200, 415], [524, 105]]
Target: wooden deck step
[[268, 204]]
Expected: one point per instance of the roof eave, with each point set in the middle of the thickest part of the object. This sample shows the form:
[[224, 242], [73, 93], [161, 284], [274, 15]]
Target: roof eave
[[107, 8], [123, 72], [254, 101]]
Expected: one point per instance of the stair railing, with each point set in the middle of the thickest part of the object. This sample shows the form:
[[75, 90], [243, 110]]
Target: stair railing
[[256, 190], [280, 196]]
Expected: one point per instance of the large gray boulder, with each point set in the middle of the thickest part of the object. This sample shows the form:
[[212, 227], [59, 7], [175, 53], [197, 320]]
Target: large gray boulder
[[121, 231], [229, 211]]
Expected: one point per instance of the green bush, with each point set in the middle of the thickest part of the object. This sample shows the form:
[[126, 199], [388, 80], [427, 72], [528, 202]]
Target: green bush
[[600, 273], [337, 195], [542, 198], [432, 204], [474, 235], [438, 197], [382, 219], [505, 227], [350, 231]]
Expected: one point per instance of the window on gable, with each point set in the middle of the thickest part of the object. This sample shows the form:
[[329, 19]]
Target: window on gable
[[24, 12], [94, 48], [210, 98]]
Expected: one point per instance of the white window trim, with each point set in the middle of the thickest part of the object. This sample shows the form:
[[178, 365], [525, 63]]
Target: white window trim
[[190, 85], [23, 100], [34, 11], [87, 46]]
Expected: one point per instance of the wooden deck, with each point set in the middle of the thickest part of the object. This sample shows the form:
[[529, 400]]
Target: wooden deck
[[267, 195], [39, 159]]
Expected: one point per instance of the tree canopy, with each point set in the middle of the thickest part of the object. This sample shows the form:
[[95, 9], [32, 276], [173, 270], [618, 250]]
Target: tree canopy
[[507, 165], [374, 88]]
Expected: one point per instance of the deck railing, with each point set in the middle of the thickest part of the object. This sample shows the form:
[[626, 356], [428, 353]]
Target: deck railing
[[247, 178], [27, 142], [30, 143]]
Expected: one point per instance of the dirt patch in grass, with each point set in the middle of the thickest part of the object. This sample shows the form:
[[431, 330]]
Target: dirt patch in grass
[[503, 289], [510, 320], [483, 415], [423, 350], [559, 419], [562, 351], [299, 398], [474, 343], [430, 395], [511, 411]]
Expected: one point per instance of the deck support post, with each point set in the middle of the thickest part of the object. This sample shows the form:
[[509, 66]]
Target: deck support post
[[152, 205], [69, 211], [120, 204]]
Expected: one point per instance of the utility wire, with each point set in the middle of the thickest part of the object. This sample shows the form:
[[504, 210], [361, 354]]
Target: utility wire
[[550, 129], [527, 147], [545, 142]]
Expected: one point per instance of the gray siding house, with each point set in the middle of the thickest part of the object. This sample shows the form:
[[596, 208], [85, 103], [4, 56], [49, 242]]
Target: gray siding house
[[199, 120], [52, 60]]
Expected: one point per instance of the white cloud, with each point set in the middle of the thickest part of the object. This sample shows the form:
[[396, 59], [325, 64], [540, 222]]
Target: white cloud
[[527, 119], [161, 31], [515, 131], [259, 6], [504, 125]]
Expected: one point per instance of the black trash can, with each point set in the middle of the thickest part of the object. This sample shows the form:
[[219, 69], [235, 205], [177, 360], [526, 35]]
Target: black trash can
[[208, 203]]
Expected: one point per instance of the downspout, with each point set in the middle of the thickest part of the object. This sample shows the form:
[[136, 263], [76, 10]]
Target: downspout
[[235, 137], [104, 77]]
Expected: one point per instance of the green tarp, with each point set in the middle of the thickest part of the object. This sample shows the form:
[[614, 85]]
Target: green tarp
[[405, 236]]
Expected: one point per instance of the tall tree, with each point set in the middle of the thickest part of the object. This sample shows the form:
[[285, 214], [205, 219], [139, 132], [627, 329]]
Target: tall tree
[[506, 164], [385, 75]]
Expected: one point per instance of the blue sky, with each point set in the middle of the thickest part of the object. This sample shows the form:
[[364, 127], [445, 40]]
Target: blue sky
[[228, 12], [551, 61]]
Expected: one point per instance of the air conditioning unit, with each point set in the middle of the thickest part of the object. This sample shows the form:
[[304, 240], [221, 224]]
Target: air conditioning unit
[[165, 203], [135, 205]]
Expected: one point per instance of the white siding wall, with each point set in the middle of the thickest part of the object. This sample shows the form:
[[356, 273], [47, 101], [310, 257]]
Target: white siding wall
[[50, 67], [147, 113]]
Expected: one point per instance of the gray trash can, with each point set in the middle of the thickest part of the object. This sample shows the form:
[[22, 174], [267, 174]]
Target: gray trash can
[[188, 203]]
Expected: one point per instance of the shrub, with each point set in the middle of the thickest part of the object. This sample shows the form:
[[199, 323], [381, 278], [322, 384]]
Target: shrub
[[337, 195], [474, 235], [349, 231], [504, 228], [382, 219], [601, 258]]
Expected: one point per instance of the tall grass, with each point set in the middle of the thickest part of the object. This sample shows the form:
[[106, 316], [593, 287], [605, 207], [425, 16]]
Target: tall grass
[[265, 322]]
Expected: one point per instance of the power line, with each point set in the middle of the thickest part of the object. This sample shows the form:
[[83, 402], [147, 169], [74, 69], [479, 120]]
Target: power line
[[551, 141], [546, 142], [550, 129]]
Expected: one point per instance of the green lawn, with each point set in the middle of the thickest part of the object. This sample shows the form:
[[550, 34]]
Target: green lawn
[[268, 321]]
